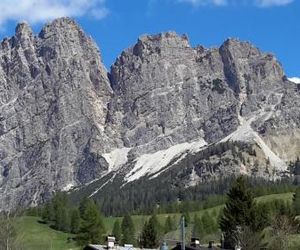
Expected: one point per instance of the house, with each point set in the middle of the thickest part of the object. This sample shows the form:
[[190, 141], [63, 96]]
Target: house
[[195, 245], [111, 240]]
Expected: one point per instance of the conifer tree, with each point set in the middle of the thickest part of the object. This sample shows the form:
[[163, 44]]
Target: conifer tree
[[297, 167], [296, 201], [128, 231], [186, 218], [261, 217], [62, 219], [82, 206], [238, 212], [61, 209], [92, 228], [75, 221], [48, 212], [149, 236], [117, 231], [158, 226], [168, 225]]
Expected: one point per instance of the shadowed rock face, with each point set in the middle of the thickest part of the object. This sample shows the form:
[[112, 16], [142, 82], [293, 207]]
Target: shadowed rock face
[[60, 112]]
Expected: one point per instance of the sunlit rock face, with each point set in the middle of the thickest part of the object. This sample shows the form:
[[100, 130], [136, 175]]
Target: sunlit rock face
[[54, 92], [168, 92], [65, 121]]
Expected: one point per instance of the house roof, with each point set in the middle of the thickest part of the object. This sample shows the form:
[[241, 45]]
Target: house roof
[[104, 247]]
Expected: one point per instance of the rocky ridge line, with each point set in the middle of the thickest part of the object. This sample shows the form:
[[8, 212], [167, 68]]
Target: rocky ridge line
[[65, 121]]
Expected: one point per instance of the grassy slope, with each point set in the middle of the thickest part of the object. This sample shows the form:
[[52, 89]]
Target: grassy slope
[[271, 197], [35, 235], [39, 236]]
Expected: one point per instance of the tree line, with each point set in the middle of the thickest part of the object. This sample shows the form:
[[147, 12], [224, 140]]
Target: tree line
[[85, 221], [241, 217]]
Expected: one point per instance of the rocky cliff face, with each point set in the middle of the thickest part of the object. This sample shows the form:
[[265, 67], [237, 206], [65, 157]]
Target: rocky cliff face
[[54, 92], [169, 93], [65, 121]]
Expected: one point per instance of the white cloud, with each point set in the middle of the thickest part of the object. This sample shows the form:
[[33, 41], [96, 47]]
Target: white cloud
[[35, 11], [270, 3], [258, 3], [295, 79], [205, 2]]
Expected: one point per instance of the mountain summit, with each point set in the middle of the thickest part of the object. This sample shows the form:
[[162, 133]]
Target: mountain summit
[[66, 122]]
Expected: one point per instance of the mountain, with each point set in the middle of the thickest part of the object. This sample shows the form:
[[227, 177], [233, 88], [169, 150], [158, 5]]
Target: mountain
[[164, 109], [54, 95]]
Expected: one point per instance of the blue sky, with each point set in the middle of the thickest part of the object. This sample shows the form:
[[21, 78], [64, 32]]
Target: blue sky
[[272, 25]]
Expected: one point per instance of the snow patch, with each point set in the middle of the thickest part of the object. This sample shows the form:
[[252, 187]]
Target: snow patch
[[68, 187], [295, 79], [116, 158], [148, 164]]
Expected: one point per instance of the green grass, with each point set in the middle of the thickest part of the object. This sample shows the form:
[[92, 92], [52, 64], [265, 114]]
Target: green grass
[[272, 197], [139, 220], [37, 236], [294, 242]]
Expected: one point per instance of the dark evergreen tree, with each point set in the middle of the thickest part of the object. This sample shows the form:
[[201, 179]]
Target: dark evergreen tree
[[48, 214], [92, 228], [62, 219], [296, 201], [82, 206], [187, 218], [75, 221], [61, 206], [261, 217], [238, 212], [158, 226], [297, 167], [285, 208], [149, 236], [117, 232], [128, 230], [169, 226]]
